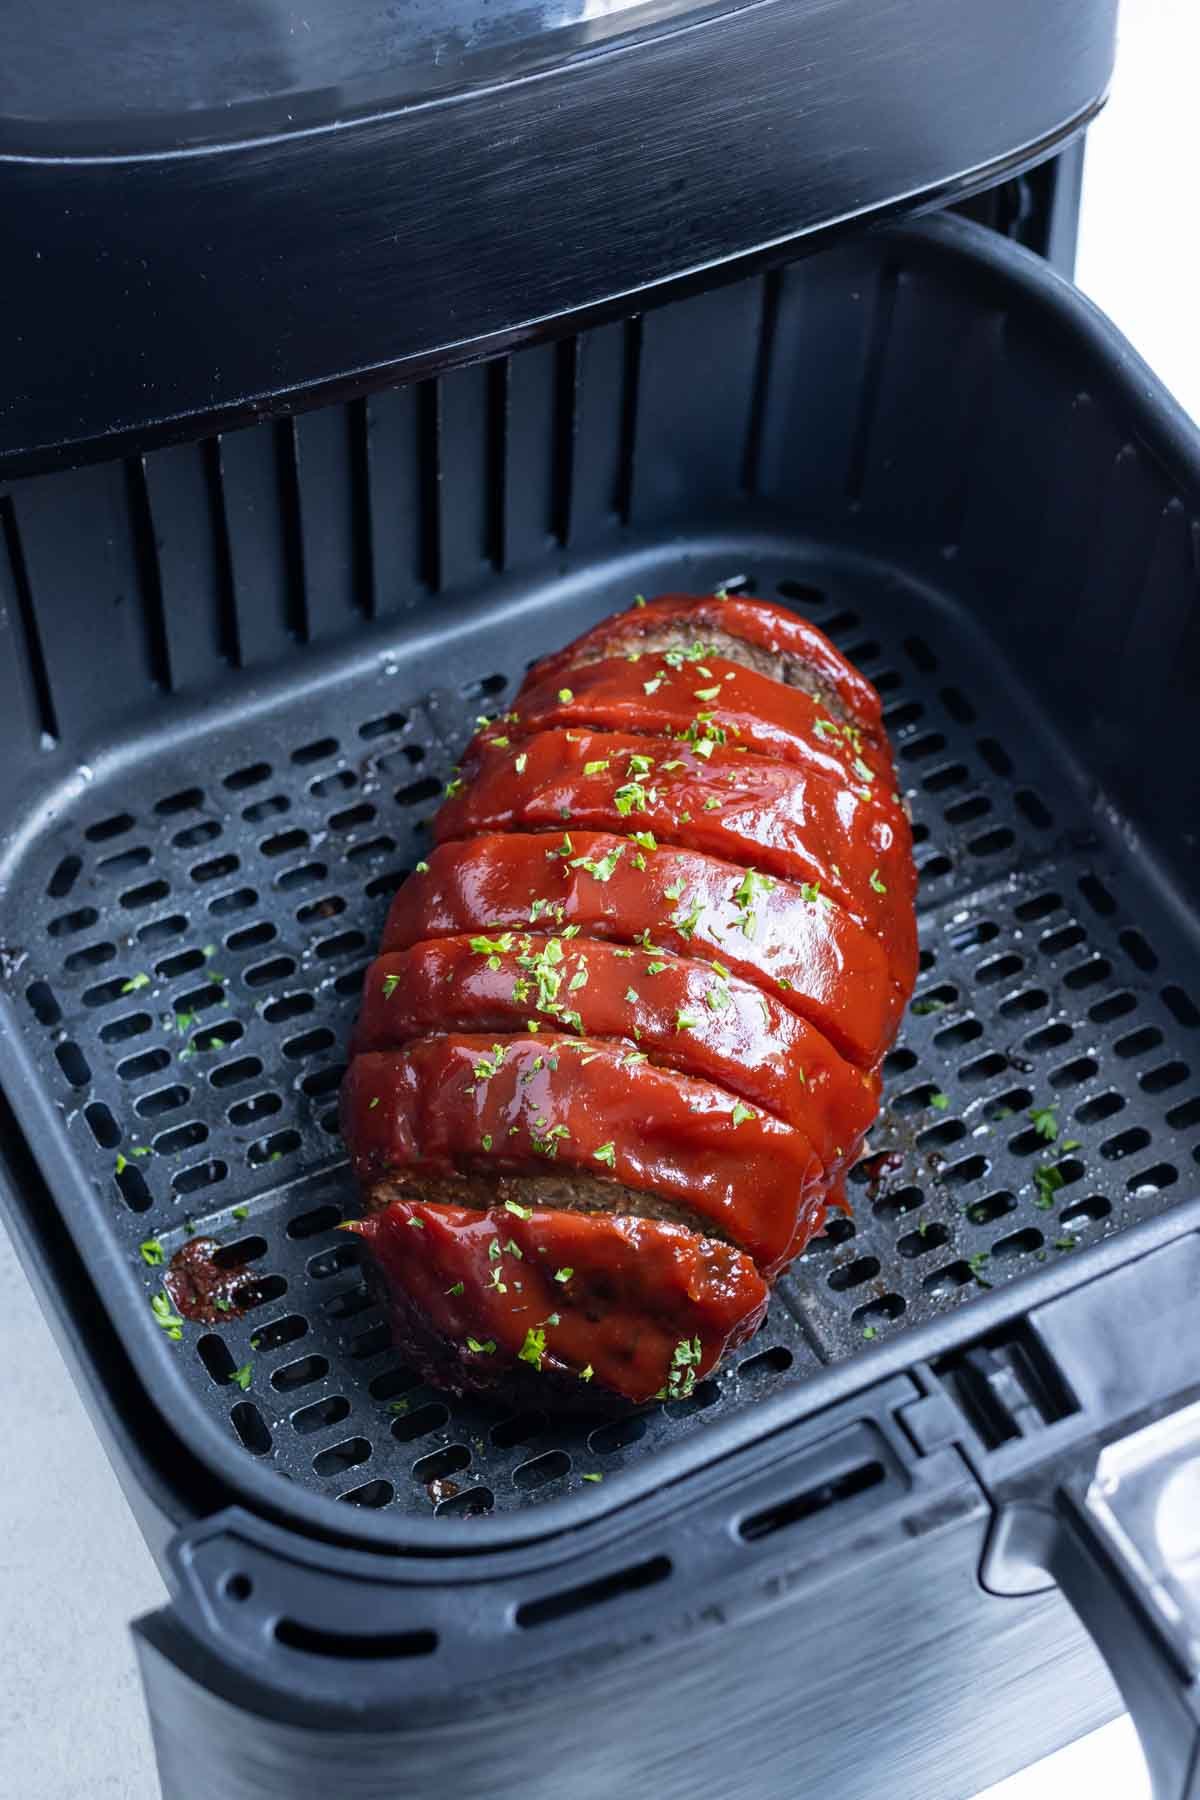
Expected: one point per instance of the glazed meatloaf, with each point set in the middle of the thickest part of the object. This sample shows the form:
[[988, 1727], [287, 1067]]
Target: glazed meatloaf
[[623, 1037]]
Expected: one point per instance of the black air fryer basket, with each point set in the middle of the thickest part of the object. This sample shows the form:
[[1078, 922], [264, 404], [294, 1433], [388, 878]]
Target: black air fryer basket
[[383, 387]]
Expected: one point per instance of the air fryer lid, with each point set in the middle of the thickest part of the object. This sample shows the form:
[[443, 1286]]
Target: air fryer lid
[[296, 198]]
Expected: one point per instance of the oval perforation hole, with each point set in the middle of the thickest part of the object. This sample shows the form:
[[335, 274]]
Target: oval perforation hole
[[269, 808], [316, 1220], [555, 1465], [280, 1332], [419, 1421], [184, 801], [317, 751], [73, 1063], [236, 900], [245, 1068], [522, 1428], [991, 1207], [606, 1440], [201, 1175], [274, 1148], [853, 1274], [329, 906], [440, 1465], [248, 777], [214, 1353], [531, 1613], [301, 1373], [371, 1493], [250, 937], [321, 1414], [472, 1504], [387, 724], [251, 1427], [776, 1360]]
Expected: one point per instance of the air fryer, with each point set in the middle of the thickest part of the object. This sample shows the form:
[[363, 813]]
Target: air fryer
[[347, 371]]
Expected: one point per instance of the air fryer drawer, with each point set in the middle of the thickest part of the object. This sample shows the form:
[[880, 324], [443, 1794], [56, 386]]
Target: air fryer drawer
[[934, 449]]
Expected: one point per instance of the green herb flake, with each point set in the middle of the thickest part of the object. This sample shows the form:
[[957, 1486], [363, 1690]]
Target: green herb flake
[[1070, 1144], [976, 1264], [487, 1348], [518, 1211], [243, 1377], [122, 1163], [596, 768], [458, 1288], [486, 1140], [151, 1252], [713, 803], [652, 686], [165, 1316], [1045, 1122], [1047, 1179], [879, 887], [566, 848], [588, 1475], [708, 693], [534, 1347], [416, 1224], [563, 1275], [630, 797], [390, 984], [861, 769], [422, 868], [741, 1112], [241, 1212], [454, 787], [372, 1103], [825, 728], [922, 1007], [602, 868], [519, 762], [565, 696], [939, 1102], [606, 1154], [1066, 1243], [869, 1332], [681, 1379]]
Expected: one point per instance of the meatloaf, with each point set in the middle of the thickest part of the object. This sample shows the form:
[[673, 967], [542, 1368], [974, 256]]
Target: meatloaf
[[623, 1036]]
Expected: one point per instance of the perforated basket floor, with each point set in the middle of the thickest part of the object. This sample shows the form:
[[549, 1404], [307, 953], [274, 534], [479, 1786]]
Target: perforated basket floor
[[185, 957]]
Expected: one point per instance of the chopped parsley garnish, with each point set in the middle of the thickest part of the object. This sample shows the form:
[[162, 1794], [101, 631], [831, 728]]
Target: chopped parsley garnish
[[639, 765], [703, 748], [372, 1103], [492, 948], [488, 1348], [241, 1212], [547, 1144], [713, 803], [458, 1288], [976, 1265], [141, 980], [655, 968], [165, 1315], [629, 798], [708, 693], [606, 1154], [566, 848], [741, 1112], [811, 891], [825, 728], [534, 1347], [1066, 1243], [686, 923], [519, 1211], [1048, 1179], [586, 1373], [1070, 1144], [588, 1474], [596, 768], [454, 787], [514, 1249], [861, 769], [674, 892], [646, 839], [869, 1332], [633, 1056], [417, 1224], [487, 1066], [565, 696], [498, 1281], [563, 1275], [632, 995], [152, 1252], [719, 999], [486, 1140], [681, 1379], [921, 1007], [747, 891], [1045, 1122], [880, 887], [243, 1376], [423, 867], [519, 762], [390, 984], [939, 1102], [602, 868], [685, 1021], [652, 686]]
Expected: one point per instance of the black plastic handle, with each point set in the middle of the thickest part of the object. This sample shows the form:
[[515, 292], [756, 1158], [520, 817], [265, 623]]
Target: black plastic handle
[[1127, 1556]]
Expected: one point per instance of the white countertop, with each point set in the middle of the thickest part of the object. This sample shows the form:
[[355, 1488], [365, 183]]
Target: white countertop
[[73, 1568]]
